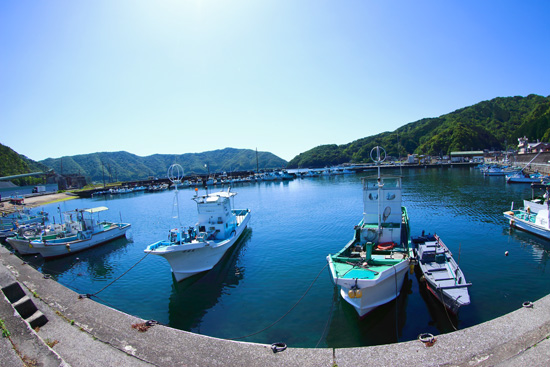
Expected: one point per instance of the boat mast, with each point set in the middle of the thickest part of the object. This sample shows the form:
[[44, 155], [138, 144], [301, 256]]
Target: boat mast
[[378, 160], [175, 175]]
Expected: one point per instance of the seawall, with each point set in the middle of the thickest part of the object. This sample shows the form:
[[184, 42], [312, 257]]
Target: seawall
[[82, 332]]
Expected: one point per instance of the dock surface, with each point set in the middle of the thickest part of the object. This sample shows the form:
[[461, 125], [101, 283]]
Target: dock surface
[[82, 332]]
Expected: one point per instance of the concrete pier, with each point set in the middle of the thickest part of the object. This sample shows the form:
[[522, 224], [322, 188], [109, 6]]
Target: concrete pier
[[82, 332]]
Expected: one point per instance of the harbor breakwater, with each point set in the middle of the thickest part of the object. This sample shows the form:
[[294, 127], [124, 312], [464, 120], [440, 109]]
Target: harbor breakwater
[[83, 332]]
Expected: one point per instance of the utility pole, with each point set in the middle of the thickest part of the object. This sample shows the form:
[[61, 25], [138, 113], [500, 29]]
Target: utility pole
[[257, 165]]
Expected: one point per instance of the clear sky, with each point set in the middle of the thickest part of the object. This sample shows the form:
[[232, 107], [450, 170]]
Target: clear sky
[[282, 76]]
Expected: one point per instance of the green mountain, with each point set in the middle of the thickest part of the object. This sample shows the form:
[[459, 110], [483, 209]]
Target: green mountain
[[12, 163], [124, 166], [494, 124]]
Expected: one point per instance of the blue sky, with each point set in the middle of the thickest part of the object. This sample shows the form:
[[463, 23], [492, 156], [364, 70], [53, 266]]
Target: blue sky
[[282, 76]]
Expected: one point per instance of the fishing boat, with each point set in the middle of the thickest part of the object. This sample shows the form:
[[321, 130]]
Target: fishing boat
[[522, 177], [21, 241], [372, 266], [21, 217], [537, 223], [89, 233], [443, 277], [200, 247]]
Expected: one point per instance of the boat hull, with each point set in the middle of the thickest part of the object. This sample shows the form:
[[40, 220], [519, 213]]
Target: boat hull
[[24, 247], [447, 300], [375, 292], [190, 259], [59, 249], [375, 295]]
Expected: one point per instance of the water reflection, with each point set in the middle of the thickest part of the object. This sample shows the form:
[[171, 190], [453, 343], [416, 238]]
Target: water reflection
[[441, 319], [383, 325], [97, 263], [191, 299], [538, 247]]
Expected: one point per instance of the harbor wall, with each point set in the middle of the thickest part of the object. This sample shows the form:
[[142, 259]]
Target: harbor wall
[[83, 332], [540, 163]]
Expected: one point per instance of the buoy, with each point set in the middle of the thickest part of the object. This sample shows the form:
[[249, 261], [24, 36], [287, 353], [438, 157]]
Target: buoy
[[506, 253], [358, 293], [351, 293]]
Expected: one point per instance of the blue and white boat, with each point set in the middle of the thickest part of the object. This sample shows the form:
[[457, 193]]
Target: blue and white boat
[[536, 223], [521, 177], [200, 247], [89, 233], [21, 217]]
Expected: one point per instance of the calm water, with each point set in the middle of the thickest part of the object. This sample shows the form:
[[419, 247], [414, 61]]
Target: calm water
[[294, 226]]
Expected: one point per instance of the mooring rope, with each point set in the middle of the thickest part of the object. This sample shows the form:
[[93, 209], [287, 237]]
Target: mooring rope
[[334, 300], [282, 317], [445, 307], [396, 307], [114, 280]]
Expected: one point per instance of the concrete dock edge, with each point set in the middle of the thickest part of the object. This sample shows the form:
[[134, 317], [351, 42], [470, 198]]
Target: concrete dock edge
[[86, 333]]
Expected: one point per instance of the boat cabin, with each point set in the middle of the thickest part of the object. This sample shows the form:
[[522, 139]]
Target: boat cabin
[[216, 220]]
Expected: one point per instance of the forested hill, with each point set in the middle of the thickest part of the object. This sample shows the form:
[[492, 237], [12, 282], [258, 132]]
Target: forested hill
[[12, 163], [124, 166], [486, 125]]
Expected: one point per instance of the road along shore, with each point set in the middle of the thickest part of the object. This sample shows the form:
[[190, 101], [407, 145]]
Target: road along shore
[[33, 201]]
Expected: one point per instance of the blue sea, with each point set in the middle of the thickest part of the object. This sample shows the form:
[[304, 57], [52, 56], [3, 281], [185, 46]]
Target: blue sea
[[273, 286]]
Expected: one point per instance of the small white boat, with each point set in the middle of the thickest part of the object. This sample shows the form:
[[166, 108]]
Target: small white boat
[[526, 220], [444, 278], [199, 248], [90, 233]]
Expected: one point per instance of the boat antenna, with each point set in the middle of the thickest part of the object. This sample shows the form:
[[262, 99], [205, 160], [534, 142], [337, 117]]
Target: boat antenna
[[378, 155], [175, 175]]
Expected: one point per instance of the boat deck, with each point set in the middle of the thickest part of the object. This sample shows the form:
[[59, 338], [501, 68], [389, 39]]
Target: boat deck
[[528, 217], [346, 268]]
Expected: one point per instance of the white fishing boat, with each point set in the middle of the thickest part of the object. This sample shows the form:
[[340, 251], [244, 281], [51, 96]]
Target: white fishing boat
[[90, 233], [199, 248], [526, 220], [21, 242], [371, 268], [443, 277]]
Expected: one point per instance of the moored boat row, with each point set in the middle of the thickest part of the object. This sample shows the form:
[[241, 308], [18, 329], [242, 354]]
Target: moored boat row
[[371, 268]]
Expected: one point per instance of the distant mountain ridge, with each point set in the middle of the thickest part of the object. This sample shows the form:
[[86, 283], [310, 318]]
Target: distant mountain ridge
[[124, 166], [485, 125], [13, 163]]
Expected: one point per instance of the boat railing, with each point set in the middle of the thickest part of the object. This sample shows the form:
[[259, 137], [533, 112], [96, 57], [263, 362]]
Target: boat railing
[[240, 212]]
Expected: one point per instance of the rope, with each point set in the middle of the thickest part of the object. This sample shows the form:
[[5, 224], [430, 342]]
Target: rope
[[102, 289], [445, 307], [334, 300], [396, 307], [282, 317]]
